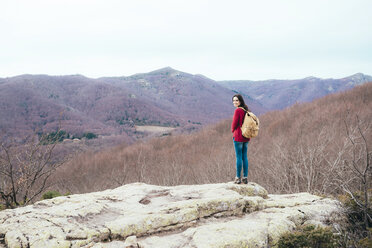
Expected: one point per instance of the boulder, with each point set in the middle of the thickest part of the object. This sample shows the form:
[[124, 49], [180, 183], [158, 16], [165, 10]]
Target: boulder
[[142, 215]]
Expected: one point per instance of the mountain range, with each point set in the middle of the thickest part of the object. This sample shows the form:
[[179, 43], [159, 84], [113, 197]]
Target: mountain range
[[279, 94], [166, 97]]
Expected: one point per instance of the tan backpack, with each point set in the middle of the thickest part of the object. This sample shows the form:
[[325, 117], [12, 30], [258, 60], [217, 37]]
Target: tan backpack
[[250, 125]]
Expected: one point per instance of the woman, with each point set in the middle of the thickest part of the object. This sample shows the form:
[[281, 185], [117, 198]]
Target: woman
[[240, 142]]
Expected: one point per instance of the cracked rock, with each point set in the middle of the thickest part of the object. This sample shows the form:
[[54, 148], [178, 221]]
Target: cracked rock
[[142, 215]]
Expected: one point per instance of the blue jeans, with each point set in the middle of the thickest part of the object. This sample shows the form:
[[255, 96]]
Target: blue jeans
[[241, 149]]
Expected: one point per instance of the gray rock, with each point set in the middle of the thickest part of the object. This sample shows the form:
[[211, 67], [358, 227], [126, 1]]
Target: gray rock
[[141, 215]]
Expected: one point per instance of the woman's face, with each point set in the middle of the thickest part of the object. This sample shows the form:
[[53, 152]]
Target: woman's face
[[236, 102]]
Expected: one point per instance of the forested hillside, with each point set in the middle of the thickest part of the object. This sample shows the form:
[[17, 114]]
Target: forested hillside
[[115, 110]]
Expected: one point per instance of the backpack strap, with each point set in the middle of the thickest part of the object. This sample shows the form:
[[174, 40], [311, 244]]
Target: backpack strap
[[246, 112], [243, 109]]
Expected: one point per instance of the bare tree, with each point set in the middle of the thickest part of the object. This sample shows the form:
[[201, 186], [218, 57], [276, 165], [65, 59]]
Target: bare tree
[[119, 174], [25, 168], [359, 166]]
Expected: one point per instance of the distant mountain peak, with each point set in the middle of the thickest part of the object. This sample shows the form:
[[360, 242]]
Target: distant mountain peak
[[165, 69], [359, 77], [359, 74], [168, 71], [311, 78]]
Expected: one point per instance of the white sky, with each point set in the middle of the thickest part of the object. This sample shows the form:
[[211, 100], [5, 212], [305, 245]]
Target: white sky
[[223, 40]]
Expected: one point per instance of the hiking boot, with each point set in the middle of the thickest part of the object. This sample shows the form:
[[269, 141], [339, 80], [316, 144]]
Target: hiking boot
[[237, 180], [245, 180]]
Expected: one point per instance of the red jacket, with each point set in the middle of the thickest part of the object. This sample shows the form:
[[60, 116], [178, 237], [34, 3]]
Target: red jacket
[[236, 124]]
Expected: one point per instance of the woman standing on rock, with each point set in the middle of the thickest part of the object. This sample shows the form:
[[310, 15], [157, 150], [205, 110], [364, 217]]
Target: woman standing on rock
[[240, 142]]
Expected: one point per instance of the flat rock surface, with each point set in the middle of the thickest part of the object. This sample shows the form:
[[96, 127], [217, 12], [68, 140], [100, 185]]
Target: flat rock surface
[[141, 215]]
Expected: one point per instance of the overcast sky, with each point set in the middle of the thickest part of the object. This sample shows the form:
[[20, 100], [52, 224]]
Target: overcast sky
[[232, 39]]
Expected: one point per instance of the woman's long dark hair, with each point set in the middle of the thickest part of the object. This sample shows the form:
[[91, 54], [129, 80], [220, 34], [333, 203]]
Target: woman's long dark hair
[[241, 100]]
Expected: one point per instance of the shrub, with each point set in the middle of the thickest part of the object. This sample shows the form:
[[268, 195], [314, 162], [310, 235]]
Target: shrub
[[354, 212], [308, 236], [53, 137], [90, 135], [50, 195]]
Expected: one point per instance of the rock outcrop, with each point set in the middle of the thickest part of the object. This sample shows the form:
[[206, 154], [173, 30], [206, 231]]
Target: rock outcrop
[[141, 215]]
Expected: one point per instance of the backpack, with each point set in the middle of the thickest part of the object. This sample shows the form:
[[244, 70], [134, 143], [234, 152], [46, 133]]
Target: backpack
[[250, 125]]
